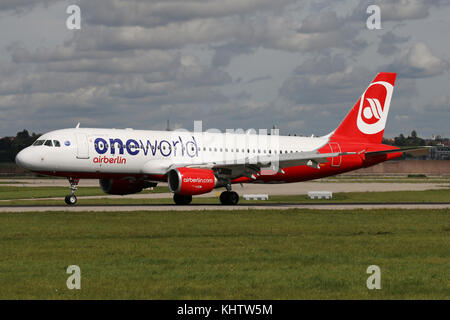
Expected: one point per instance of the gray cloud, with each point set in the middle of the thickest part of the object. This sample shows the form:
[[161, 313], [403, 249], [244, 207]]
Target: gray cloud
[[18, 6], [398, 10], [390, 43], [322, 22], [322, 64], [439, 103], [137, 63], [418, 62], [261, 78], [331, 83], [223, 54], [157, 13]]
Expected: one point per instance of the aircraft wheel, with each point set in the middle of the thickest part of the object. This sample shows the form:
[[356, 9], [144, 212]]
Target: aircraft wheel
[[229, 198], [71, 199], [182, 199], [233, 198], [223, 197]]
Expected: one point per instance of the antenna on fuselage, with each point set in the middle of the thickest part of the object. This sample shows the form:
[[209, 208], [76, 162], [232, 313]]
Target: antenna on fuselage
[[78, 125], [168, 126]]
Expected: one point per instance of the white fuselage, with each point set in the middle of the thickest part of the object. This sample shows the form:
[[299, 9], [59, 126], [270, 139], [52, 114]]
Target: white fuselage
[[151, 152]]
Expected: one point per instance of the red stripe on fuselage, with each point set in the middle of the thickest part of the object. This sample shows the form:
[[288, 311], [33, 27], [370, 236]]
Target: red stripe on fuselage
[[346, 164]]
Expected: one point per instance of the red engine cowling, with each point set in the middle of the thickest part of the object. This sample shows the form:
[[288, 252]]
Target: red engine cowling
[[189, 181], [124, 186]]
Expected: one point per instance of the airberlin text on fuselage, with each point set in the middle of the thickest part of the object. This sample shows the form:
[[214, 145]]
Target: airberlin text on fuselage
[[133, 147], [105, 159]]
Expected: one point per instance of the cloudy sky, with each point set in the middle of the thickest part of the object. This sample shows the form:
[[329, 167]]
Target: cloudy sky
[[299, 65]]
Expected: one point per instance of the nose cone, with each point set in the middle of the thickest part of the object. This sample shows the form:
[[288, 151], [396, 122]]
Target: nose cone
[[23, 159]]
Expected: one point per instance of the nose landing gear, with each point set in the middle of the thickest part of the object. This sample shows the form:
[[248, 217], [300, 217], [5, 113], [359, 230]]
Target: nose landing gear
[[71, 199]]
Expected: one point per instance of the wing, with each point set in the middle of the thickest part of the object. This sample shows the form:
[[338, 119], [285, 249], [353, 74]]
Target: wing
[[250, 167]]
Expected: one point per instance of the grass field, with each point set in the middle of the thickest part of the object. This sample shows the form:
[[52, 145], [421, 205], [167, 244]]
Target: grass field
[[21, 192], [12, 193], [293, 254]]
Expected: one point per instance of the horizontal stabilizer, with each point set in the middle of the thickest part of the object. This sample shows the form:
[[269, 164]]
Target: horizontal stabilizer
[[415, 151]]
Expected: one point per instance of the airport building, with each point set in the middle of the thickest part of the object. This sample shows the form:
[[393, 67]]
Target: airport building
[[440, 152]]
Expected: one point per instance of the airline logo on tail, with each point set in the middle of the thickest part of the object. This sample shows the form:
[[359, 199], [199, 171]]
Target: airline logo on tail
[[374, 107]]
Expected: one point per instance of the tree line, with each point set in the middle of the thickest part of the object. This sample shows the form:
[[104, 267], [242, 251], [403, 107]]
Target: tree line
[[10, 146], [413, 140]]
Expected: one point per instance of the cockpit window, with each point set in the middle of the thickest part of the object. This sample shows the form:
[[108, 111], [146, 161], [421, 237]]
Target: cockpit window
[[56, 143], [38, 143], [48, 143]]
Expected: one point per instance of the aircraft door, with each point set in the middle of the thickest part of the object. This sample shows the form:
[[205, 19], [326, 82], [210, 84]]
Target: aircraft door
[[82, 146], [335, 161]]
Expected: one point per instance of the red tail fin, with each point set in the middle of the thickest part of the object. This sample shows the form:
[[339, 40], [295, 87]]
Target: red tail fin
[[366, 121]]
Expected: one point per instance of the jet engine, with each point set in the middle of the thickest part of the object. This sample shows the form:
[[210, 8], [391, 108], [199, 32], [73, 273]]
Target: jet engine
[[124, 186], [191, 181]]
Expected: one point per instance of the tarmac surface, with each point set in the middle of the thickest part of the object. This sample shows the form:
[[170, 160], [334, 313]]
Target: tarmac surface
[[270, 189], [121, 208]]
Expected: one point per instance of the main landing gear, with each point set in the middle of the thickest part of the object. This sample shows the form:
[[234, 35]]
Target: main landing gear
[[226, 198], [71, 199], [229, 197], [182, 199]]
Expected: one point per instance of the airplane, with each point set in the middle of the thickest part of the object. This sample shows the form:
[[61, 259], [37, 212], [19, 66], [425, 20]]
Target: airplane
[[126, 161]]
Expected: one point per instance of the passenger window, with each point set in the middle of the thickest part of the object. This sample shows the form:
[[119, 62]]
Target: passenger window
[[56, 143], [48, 143]]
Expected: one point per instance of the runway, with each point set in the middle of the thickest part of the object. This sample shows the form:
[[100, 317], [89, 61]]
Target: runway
[[270, 189], [214, 207], [296, 188]]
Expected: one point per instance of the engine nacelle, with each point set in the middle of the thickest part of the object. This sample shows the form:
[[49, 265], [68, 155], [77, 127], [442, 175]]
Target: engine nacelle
[[190, 181], [124, 186]]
